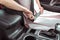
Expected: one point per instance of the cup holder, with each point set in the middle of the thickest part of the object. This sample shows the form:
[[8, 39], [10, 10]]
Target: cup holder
[[29, 38]]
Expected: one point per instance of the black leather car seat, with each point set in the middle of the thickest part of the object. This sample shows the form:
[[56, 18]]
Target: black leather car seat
[[47, 6], [7, 20], [11, 21], [3, 35]]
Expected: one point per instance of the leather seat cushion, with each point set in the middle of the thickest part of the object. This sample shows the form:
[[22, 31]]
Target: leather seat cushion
[[6, 21]]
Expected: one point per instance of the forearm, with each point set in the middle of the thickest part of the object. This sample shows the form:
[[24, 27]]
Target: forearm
[[37, 1], [13, 5]]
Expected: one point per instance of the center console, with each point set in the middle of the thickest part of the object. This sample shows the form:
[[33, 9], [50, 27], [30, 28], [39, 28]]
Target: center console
[[32, 34]]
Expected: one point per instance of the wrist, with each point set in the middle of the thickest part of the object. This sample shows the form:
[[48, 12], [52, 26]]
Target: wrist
[[25, 10]]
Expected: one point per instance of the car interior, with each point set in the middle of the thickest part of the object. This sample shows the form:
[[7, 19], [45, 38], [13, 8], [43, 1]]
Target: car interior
[[12, 23], [47, 5]]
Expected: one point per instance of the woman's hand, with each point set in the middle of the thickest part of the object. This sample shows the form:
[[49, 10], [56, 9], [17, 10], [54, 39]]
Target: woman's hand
[[29, 14], [39, 5], [41, 9]]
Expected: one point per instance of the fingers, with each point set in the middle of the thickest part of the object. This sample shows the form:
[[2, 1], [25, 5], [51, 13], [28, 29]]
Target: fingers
[[41, 9], [29, 14], [31, 17]]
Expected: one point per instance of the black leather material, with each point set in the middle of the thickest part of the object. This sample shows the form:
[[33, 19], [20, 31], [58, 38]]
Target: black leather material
[[3, 35], [14, 12], [7, 20], [54, 8], [11, 20]]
